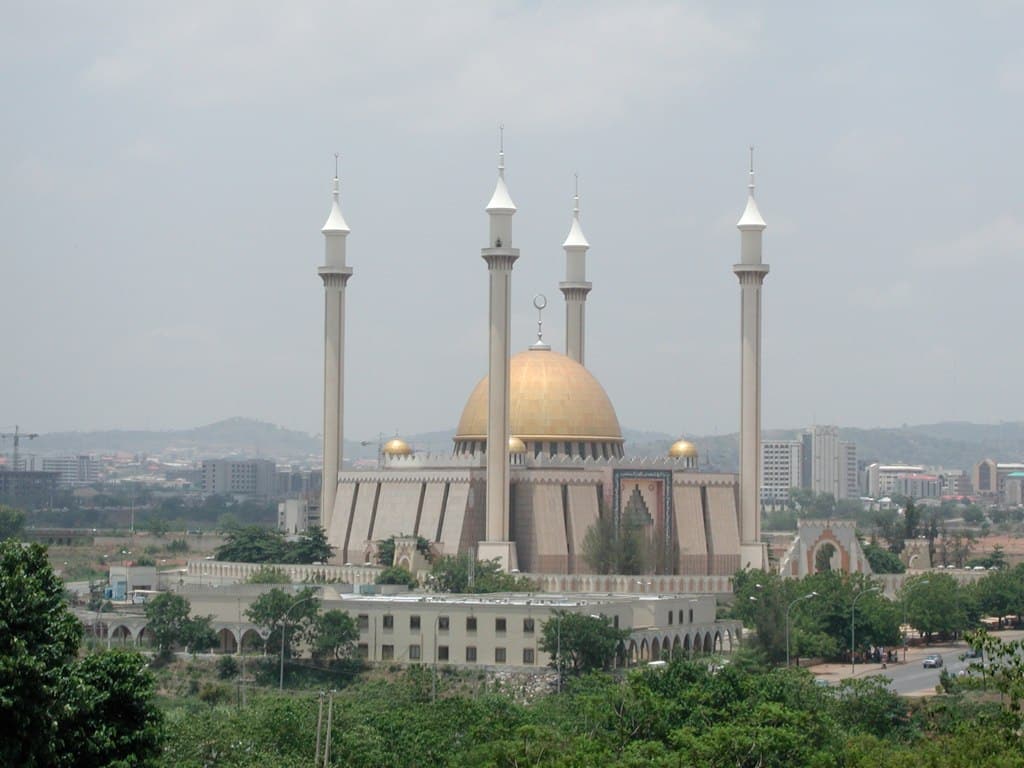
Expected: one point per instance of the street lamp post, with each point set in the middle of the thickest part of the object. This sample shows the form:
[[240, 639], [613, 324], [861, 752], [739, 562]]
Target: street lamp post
[[788, 609], [906, 590], [558, 650], [853, 628], [284, 631]]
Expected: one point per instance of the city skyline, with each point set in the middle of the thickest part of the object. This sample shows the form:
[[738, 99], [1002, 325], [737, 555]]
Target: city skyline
[[167, 182]]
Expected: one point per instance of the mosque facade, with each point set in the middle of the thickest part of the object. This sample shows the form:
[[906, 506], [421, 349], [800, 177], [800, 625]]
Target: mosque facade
[[562, 467]]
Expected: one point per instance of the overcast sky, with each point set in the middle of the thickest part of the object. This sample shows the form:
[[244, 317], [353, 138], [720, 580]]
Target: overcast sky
[[167, 168]]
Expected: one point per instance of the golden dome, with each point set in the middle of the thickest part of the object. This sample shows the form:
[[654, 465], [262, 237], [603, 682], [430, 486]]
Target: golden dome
[[515, 445], [396, 447], [682, 449], [551, 397]]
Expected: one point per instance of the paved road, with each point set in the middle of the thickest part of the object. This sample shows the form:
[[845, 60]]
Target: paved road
[[909, 678]]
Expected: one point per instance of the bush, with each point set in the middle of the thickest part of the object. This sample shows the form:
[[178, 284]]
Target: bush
[[227, 667]]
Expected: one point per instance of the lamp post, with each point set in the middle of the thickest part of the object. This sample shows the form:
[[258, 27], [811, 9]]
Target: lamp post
[[558, 650], [907, 588], [853, 628], [284, 631], [788, 609]]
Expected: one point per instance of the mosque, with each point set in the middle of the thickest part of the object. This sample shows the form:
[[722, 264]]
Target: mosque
[[561, 467]]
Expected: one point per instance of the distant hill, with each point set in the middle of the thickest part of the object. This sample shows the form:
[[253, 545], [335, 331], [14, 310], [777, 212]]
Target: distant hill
[[948, 444]]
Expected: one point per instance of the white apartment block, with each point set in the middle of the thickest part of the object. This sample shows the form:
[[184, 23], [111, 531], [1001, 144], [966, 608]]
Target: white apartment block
[[781, 462], [296, 516], [74, 470], [832, 463], [254, 477], [918, 486], [881, 478]]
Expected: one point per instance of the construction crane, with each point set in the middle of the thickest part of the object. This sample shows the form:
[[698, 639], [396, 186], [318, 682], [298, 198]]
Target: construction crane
[[17, 434]]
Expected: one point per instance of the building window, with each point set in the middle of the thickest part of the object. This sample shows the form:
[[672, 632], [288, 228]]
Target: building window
[[500, 625], [616, 622], [528, 656], [670, 615], [442, 623], [527, 626], [364, 622], [471, 654], [387, 652], [414, 653], [364, 651], [680, 615], [691, 615], [499, 655], [471, 624], [414, 623], [442, 653], [389, 622]]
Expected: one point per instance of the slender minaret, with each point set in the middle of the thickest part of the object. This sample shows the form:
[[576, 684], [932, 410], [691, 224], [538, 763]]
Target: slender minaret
[[335, 275], [575, 288], [751, 273], [500, 257]]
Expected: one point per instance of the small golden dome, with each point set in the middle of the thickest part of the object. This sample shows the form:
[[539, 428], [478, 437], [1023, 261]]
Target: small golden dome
[[551, 397], [683, 449], [396, 447], [515, 445]]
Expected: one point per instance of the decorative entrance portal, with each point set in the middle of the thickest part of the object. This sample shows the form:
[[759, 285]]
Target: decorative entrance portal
[[642, 502]]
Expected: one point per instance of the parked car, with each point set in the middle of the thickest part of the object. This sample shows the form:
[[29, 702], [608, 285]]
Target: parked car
[[932, 661]]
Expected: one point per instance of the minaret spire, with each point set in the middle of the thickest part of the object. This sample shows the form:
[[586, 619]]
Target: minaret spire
[[335, 275], [751, 272], [575, 287], [500, 257]]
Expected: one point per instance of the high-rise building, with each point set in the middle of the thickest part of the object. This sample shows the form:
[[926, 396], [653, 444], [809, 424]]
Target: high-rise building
[[829, 464], [781, 463], [254, 477], [73, 470]]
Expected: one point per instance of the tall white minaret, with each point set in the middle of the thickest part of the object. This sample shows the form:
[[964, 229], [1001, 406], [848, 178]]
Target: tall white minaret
[[335, 274], [575, 288], [751, 273], [500, 257]]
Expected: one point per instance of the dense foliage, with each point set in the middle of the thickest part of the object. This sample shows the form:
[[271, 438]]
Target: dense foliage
[[56, 709], [686, 714], [460, 574], [580, 643], [819, 625], [167, 617], [254, 544]]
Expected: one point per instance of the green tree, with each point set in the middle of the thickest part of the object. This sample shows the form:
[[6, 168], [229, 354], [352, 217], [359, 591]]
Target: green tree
[[272, 609], [12, 522], [158, 526], [58, 710], [577, 642], [882, 560], [199, 634], [108, 717], [610, 549], [252, 544], [267, 574], [936, 607], [167, 618], [335, 636], [311, 547], [454, 573], [396, 575]]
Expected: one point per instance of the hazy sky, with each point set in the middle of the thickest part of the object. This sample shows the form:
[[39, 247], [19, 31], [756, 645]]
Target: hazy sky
[[167, 168]]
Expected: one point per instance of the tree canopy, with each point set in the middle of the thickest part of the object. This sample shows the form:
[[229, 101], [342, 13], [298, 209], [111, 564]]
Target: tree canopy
[[578, 642], [59, 710], [255, 544], [459, 574]]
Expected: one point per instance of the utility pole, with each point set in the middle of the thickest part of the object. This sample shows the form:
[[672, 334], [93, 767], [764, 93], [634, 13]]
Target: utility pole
[[17, 434]]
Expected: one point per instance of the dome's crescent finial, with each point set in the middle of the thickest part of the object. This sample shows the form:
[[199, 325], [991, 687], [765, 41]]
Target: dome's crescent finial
[[750, 184], [501, 150], [539, 302]]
